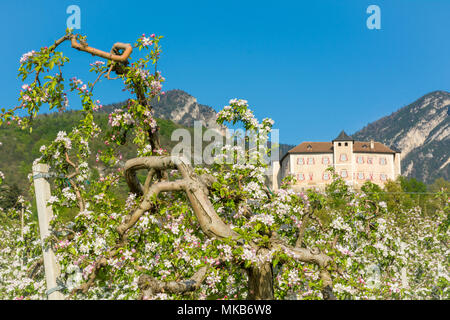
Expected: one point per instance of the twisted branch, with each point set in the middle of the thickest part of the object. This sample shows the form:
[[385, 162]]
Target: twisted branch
[[99, 53], [195, 187], [311, 256], [151, 286]]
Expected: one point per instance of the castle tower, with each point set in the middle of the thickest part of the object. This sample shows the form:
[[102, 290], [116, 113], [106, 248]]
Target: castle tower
[[343, 156]]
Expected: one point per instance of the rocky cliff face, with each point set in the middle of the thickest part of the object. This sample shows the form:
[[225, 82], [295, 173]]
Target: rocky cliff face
[[179, 107], [421, 131], [182, 108]]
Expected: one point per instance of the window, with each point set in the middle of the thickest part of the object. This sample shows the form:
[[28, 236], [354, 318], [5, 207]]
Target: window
[[360, 160], [343, 157], [325, 160], [339, 144], [344, 174], [371, 176], [361, 175], [383, 177], [300, 161], [326, 176], [310, 160], [311, 175], [369, 160], [346, 144], [300, 177], [383, 161]]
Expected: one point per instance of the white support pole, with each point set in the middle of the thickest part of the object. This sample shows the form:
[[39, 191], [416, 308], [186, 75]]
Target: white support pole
[[404, 278], [45, 213]]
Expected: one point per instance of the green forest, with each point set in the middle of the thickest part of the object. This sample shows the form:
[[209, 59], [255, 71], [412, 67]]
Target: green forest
[[21, 147]]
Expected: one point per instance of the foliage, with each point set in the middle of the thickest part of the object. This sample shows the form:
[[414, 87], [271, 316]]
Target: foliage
[[9, 196], [412, 185], [364, 236], [21, 270], [439, 185]]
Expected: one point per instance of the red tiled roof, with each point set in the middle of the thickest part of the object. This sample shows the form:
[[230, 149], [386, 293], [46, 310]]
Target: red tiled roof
[[361, 146], [327, 147], [313, 147]]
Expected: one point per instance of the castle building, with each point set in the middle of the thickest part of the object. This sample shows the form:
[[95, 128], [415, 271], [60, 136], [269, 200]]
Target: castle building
[[355, 161]]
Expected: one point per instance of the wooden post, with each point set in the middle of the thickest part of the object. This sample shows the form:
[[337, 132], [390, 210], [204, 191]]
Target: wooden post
[[45, 213]]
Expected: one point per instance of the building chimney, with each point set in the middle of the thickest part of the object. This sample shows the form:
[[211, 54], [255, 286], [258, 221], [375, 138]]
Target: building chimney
[[372, 144]]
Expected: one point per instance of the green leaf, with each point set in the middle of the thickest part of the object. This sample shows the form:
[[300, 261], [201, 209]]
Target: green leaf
[[275, 262]]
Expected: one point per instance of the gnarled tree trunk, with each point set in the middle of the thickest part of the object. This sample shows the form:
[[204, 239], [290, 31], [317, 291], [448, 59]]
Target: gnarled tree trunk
[[260, 280]]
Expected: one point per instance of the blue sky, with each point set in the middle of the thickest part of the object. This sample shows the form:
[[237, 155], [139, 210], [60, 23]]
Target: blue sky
[[312, 66]]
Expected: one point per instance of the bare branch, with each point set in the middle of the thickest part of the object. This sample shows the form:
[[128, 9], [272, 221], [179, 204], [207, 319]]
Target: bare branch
[[99, 75], [149, 179], [301, 233], [147, 203], [107, 55], [151, 286], [195, 187], [32, 271], [375, 214], [85, 286], [311, 256]]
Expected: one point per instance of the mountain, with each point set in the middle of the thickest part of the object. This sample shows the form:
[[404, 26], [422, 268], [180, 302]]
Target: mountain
[[183, 109], [179, 107], [421, 130]]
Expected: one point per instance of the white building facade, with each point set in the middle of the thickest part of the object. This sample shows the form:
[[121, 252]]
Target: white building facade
[[355, 161]]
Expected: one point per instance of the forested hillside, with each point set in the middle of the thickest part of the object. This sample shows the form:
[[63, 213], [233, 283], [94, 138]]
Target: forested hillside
[[20, 147]]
